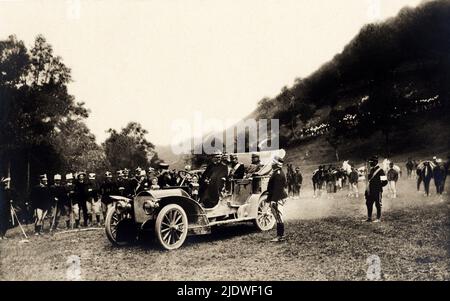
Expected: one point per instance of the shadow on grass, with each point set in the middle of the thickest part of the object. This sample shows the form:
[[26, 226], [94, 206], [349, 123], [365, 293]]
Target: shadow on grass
[[148, 241]]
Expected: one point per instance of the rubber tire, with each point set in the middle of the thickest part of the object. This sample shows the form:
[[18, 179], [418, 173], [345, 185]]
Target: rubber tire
[[124, 223], [158, 223], [260, 226]]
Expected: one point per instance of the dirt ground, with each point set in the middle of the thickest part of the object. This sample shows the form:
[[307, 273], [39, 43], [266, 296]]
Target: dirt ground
[[326, 240]]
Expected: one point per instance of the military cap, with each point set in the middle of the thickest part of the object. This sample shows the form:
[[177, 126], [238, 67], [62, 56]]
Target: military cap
[[57, 177], [69, 176], [163, 165], [91, 176], [43, 177], [374, 158]]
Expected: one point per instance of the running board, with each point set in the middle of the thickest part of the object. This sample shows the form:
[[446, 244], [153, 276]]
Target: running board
[[228, 221]]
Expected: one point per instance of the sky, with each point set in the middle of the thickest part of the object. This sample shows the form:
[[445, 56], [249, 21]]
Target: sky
[[157, 62]]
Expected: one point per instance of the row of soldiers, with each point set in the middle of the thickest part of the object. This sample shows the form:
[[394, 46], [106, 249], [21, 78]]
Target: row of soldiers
[[83, 196]]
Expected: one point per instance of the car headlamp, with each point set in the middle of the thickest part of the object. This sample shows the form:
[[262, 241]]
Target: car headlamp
[[150, 205]]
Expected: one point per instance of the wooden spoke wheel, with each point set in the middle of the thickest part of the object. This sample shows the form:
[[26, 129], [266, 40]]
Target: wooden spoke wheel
[[265, 220], [120, 228], [171, 227]]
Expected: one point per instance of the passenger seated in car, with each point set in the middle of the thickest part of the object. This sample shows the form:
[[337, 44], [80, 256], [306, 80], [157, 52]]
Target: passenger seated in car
[[255, 166], [155, 185], [212, 181]]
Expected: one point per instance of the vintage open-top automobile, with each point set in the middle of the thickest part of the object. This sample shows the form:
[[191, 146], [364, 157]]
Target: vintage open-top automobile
[[172, 213]]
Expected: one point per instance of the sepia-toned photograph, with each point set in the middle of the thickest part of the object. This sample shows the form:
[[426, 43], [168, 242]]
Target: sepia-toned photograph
[[209, 141]]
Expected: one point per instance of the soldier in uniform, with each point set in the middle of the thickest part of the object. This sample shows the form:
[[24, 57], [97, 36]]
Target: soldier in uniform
[[164, 179], [107, 189], [121, 184], [143, 184], [5, 206], [93, 202], [276, 189], [374, 192], [237, 169], [61, 202], [297, 180], [255, 166], [41, 201], [72, 201], [392, 176], [82, 196]]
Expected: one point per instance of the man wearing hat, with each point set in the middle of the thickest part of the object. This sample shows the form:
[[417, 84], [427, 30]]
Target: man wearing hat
[[255, 166], [377, 179], [297, 180], [212, 181], [61, 202], [276, 192], [81, 196], [73, 205], [41, 201], [121, 184], [164, 178], [107, 189], [439, 176], [237, 169], [5, 206], [93, 202]]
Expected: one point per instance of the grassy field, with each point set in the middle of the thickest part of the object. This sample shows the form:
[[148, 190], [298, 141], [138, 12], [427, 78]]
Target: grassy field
[[326, 240]]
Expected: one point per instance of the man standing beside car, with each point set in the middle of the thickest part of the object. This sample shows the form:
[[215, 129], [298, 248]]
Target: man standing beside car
[[276, 189]]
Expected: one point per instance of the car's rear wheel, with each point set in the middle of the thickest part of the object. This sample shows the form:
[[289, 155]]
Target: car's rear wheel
[[120, 229], [171, 227], [265, 220]]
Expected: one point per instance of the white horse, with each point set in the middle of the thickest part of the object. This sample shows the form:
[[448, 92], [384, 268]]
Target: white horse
[[385, 165]]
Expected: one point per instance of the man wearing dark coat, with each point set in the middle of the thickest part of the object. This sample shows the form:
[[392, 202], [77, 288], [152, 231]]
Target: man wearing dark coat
[[212, 182], [82, 196], [377, 179], [5, 206], [61, 202], [107, 189], [237, 169], [41, 201], [276, 192], [297, 180]]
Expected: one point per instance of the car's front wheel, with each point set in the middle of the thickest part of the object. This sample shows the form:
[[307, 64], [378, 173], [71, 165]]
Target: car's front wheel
[[171, 226], [265, 220], [120, 229]]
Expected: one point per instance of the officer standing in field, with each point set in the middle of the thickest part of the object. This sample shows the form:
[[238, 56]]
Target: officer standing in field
[[297, 180], [82, 196], [276, 189], [5, 206], [93, 202], [73, 209], [374, 191], [107, 189], [61, 202], [41, 201]]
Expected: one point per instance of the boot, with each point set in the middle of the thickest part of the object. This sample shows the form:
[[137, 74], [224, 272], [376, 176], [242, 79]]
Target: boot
[[280, 229], [77, 223], [89, 220], [68, 224], [98, 219]]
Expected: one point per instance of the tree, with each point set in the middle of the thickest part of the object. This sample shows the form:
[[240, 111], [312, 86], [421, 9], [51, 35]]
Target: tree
[[128, 148], [34, 101]]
